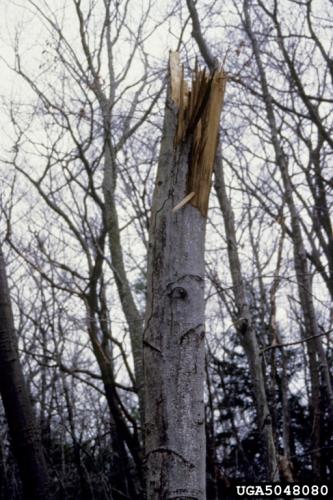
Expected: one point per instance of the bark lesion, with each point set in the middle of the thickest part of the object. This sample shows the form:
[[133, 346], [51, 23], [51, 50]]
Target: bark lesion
[[198, 330], [170, 451], [183, 277], [151, 346]]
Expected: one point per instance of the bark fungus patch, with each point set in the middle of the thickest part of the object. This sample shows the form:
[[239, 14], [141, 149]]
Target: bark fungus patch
[[199, 110]]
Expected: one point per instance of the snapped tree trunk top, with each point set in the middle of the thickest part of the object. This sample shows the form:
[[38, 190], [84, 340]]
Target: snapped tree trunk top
[[199, 110]]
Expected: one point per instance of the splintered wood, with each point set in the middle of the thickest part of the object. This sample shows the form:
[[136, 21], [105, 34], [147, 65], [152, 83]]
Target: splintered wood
[[199, 110]]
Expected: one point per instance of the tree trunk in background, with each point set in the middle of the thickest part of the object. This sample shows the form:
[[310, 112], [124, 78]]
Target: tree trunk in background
[[245, 330], [122, 437], [106, 101], [243, 320], [317, 356], [24, 435], [174, 330]]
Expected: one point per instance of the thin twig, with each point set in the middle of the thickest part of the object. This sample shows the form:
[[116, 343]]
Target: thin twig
[[288, 344]]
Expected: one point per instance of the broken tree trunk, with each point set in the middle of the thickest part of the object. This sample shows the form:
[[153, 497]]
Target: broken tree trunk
[[174, 330]]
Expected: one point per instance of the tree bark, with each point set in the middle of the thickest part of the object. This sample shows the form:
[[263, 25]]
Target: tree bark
[[174, 329], [25, 438]]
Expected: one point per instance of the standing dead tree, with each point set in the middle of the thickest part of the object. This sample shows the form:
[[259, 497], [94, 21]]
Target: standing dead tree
[[174, 329]]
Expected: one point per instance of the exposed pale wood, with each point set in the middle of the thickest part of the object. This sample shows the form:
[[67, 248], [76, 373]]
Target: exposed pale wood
[[184, 201], [176, 77], [199, 110]]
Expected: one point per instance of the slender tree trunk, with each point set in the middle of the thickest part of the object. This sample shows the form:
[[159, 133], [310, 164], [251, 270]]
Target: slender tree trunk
[[174, 334], [85, 491], [285, 463], [243, 321], [131, 312], [120, 433], [106, 101], [245, 329], [314, 346], [26, 442]]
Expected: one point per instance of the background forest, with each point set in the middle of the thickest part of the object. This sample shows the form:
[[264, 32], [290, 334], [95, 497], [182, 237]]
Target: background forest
[[82, 104]]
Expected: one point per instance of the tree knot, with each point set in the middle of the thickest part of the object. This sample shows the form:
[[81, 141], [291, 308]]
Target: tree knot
[[178, 293]]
